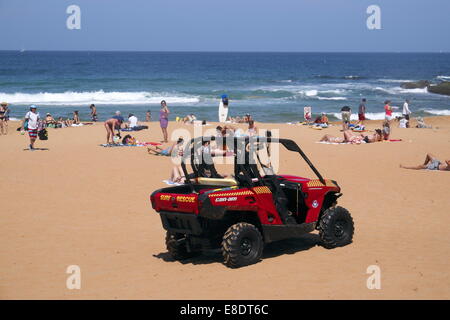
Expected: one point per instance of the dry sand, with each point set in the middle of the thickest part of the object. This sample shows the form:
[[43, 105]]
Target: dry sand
[[80, 204]]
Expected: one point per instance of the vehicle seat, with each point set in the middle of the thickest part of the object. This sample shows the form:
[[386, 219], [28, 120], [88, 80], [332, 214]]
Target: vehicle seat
[[225, 182]]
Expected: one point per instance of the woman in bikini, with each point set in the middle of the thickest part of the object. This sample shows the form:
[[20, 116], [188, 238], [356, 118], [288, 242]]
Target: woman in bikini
[[354, 138], [111, 125], [3, 124], [175, 149], [431, 163]]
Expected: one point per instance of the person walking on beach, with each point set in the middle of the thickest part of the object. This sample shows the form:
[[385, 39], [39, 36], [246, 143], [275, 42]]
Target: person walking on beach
[[406, 112], [164, 120], [346, 112], [148, 116], [223, 108], [4, 118], [111, 125], [362, 111], [93, 112], [31, 121]]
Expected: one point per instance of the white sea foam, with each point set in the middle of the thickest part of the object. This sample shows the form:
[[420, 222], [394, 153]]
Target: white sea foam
[[69, 98], [446, 78], [400, 90], [309, 93], [369, 115], [394, 80], [438, 112], [332, 98]]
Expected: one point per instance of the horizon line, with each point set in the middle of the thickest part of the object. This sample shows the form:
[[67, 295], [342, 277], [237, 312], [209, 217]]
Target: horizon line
[[210, 51]]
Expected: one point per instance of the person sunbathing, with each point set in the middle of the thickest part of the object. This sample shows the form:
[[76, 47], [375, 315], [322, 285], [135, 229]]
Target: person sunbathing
[[175, 149], [189, 119], [354, 138], [50, 121], [431, 163]]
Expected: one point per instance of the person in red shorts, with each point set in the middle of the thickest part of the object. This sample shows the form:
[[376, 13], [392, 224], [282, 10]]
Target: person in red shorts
[[32, 117], [362, 111]]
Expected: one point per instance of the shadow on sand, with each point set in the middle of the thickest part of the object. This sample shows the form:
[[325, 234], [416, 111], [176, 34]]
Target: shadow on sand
[[37, 149], [271, 250]]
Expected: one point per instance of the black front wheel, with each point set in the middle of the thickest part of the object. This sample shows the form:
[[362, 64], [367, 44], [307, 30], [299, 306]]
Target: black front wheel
[[242, 245], [336, 228]]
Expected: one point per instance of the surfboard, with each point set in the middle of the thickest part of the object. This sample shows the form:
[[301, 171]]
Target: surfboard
[[223, 112]]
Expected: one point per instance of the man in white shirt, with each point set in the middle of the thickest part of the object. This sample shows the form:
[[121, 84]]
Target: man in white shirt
[[32, 117], [406, 112], [133, 120]]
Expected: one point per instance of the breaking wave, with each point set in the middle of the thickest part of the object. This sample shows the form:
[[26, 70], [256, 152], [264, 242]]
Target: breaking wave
[[101, 97]]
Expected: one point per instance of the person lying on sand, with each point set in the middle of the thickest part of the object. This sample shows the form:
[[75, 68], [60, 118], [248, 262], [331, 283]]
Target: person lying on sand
[[175, 149], [354, 138], [431, 163], [189, 119]]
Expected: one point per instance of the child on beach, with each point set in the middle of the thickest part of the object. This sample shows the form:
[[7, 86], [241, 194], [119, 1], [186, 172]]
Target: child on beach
[[346, 113]]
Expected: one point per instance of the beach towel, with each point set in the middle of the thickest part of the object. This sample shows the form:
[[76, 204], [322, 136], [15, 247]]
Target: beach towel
[[139, 144], [325, 142], [137, 128], [171, 183]]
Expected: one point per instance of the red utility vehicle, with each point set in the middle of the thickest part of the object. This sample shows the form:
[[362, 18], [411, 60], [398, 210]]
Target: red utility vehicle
[[238, 215]]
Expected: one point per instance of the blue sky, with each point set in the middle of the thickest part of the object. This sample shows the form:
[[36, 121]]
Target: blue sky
[[232, 25]]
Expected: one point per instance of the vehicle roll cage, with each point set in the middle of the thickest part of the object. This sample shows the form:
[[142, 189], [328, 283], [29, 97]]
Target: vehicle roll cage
[[244, 170]]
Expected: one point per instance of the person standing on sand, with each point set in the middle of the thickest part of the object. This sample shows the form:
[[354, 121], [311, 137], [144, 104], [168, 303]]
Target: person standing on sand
[[32, 119], [148, 116], [388, 111], [3, 118], [406, 112], [164, 120], [362, 111], [111, 125], [223, 108], [93, 112], [346, 113]]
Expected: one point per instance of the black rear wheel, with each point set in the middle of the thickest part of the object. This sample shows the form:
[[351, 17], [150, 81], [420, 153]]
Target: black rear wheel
[[242, 245], [176, 245], [336, 228]]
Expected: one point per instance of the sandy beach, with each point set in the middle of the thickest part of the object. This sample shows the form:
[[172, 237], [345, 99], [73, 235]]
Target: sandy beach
[[77, 203]]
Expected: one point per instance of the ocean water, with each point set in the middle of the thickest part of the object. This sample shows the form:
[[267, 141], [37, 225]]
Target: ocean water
[[273, 87]]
